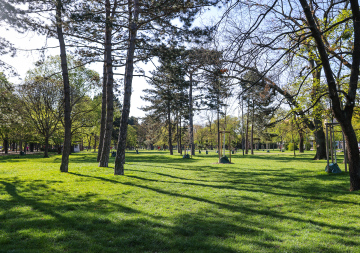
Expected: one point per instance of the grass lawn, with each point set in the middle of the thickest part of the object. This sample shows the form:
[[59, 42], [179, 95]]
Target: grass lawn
[[270, 202]]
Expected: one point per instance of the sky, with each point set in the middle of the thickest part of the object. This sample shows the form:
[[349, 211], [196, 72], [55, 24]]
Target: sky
[[26, 57]]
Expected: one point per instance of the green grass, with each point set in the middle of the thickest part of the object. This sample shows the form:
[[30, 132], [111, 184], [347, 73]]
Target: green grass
[[263, 203]]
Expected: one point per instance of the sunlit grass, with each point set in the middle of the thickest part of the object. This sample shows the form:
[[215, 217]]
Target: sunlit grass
[[270, 202]]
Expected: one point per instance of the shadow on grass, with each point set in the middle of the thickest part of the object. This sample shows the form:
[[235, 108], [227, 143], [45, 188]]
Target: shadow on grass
[[82, 227], [78, 223]]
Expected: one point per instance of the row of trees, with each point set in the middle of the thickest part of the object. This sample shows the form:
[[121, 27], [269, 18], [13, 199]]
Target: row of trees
[[298, 56]]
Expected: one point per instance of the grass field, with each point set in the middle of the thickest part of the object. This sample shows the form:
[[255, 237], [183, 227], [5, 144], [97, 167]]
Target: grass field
[[263, 203]]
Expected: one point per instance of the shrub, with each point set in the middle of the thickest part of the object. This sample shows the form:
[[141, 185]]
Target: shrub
[[291, 146]]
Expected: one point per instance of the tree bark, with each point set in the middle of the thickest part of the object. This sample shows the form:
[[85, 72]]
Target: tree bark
[[129, 69], [252, 131], [103, 111], [191, 125], [247, 132], [169, 128], [320, 140], [180, 137], [67, 106], [105, 153], [301, 142]]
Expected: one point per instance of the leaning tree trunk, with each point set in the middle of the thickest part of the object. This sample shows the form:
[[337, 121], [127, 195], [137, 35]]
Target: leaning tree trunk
[[67, 110], [104, 159], [129, 69], [103, 111]]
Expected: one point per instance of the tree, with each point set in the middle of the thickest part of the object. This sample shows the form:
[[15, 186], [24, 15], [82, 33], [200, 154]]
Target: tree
[[153, 16], [41, 104], [317, 19], [169, 85]]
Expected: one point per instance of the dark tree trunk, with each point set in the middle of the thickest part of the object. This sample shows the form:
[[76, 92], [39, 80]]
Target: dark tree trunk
[[247, 132], [177, 135], [89, 146], [191, 125], [67, 110], [104, 158], [46, 150], [252, 131], [301, 143], [169, 128], [103, 111], [180, 137], [320, 140], [218, 130], [129, 69], [6, 145]]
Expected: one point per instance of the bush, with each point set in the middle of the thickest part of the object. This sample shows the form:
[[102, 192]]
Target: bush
[[291, 147], [307, 146]]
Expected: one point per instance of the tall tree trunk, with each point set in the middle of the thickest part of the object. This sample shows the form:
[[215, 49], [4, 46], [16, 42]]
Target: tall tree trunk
[[177, 134], [247, 132], [242, 127], [103, 110], [252, 131], [67, 110], [105, 153], [180, 137], [218, 131], [191, 125], [129, 69], [169, 128]]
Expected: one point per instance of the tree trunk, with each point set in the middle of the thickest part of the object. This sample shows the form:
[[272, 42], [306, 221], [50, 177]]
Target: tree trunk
[[104, 158], [353, 155], [129, 69], [320, 140], [169, 128], [301, 143], [180, 137], [103, 111], [218, 131], [252, 131], [177, 135], [65, 75], [46, 150], [191, 125], [247, 132], [6, 145]]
